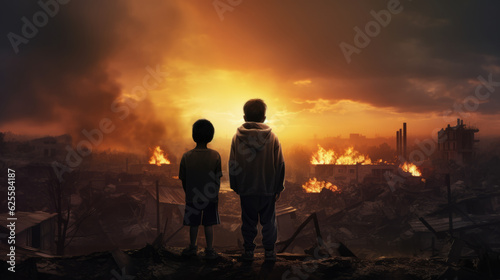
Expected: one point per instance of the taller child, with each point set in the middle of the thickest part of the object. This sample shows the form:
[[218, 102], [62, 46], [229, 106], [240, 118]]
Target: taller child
[[257, 174]]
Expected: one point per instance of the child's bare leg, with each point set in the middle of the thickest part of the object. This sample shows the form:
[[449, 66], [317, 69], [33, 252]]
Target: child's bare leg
[[193, 235], [209, 236]]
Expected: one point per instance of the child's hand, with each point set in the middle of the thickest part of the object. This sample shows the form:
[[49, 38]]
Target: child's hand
[[277, 196]]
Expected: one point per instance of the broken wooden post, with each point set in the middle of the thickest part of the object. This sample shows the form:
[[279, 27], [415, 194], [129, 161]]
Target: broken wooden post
[[450, 210], [157, 209], [455, 251], [289, 241]]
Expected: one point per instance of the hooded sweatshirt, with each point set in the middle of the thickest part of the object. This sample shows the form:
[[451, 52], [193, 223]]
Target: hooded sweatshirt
[[256, 165]]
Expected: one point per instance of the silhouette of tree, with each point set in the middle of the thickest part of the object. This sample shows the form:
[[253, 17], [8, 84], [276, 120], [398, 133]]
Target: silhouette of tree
[[59, 193]]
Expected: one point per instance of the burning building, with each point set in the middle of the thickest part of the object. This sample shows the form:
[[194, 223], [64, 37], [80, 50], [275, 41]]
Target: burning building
[[330, 168], [158, 162], [315, 186], [158, 157], [457, 142], [348, 167]]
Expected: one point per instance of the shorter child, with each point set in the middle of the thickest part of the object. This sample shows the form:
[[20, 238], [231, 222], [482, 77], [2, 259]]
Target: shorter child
[[200, 172]]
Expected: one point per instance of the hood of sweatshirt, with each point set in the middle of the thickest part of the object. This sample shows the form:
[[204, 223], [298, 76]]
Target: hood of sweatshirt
[[254, 134]]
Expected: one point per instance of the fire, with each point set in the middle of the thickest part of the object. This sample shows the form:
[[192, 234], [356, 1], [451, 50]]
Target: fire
[[315, 186], [158, 157], [323, 156], [350, 157], [410, 168]]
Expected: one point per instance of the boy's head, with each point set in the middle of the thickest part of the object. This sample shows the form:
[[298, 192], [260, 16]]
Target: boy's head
[[255, 110], [203, 131]]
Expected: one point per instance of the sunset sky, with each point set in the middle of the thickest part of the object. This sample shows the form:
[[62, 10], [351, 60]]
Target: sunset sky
[[420, 68]]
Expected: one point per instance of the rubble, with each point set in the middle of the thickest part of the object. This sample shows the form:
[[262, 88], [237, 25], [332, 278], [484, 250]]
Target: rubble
[[167, 263], [441, 225]]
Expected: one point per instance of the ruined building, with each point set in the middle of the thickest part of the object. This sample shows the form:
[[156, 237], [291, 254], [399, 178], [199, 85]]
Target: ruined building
[[457, 142]]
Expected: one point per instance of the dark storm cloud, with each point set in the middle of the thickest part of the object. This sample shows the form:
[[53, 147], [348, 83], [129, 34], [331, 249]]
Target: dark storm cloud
[[427, 59], [62, 75], [424, 60]]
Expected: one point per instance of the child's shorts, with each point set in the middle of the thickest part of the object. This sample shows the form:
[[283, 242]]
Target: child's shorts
[[196, 214]]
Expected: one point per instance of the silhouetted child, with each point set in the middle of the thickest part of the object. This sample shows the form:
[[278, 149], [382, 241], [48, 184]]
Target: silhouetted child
[[257, 173], [200, 172]]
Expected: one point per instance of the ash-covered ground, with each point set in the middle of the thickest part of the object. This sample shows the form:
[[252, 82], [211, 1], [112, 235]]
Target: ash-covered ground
[[167, 263], [365, 232]]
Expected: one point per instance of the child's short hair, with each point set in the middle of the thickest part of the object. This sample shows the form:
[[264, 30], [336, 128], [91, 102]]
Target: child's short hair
[[203, 131], [255, 110]]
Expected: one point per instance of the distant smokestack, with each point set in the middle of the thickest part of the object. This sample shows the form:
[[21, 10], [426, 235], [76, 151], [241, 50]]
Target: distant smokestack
[[458, 122], [404, 140], [400, 142], [398, 148]]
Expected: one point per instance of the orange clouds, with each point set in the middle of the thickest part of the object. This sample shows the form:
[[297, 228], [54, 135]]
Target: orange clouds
[[286, 53]]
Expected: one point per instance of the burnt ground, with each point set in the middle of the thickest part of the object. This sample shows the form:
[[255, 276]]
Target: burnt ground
[[167, 263]]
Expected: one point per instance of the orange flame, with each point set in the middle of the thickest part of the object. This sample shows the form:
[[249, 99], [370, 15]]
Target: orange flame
[[323, 156], [350, 157], [315, 186], [410, 168], [158, 157]]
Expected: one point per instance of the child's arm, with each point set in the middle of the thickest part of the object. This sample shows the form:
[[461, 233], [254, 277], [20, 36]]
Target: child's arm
[[232, 166], [280, 167], [182, 172], [218, 172]]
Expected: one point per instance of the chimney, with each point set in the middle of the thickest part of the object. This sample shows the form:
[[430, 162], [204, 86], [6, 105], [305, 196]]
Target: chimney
[[400, 142], [458, 122], [398, 148], [462, 122], [404, 141]]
